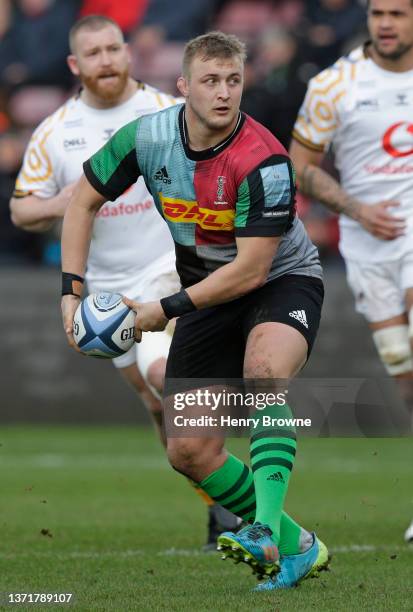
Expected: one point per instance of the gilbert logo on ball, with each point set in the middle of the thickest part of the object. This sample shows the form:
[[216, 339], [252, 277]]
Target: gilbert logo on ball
[[103, 326]]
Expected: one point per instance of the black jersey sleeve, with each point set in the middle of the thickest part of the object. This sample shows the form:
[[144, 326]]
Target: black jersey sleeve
[[266, 199]]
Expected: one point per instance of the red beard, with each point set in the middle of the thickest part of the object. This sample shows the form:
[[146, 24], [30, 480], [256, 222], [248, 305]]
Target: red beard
[[104, 91]]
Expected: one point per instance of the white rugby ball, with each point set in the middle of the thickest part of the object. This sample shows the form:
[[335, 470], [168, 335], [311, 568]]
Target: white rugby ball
[[103, 326]]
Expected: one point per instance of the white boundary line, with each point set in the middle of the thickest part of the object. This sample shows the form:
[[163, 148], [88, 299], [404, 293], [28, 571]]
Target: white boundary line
[[185, 552]]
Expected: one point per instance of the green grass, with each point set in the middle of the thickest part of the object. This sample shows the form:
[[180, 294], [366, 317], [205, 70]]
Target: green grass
[[125, 530]]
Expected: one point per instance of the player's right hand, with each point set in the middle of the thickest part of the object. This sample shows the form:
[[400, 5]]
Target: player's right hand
[[69, 305], [379, 220], [135, 307]]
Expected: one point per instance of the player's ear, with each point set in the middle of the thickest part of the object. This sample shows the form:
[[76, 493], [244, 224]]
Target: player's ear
[[72, 63], [182, 85]]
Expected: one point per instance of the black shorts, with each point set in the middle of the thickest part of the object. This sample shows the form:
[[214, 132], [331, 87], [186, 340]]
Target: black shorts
[[210, 343]]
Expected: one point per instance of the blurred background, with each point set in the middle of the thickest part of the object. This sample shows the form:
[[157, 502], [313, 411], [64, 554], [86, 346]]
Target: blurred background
[[288, 42]]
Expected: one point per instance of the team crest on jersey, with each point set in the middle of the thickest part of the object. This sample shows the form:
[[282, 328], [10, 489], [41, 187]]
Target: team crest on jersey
[[185, 211], [221, 180]]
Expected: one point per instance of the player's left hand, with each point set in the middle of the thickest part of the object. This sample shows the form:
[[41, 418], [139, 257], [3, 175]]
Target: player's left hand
[[149, 317]]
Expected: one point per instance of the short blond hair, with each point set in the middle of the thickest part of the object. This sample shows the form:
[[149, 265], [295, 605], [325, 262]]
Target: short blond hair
[[93, 23], [210, 46]]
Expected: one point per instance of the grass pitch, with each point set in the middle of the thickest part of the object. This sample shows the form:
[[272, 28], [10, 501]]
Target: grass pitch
[[98, 512]]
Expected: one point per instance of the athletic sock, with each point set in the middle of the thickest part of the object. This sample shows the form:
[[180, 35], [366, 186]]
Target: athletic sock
[[290, 533], [232, 486], [293, 538], [272, 452]]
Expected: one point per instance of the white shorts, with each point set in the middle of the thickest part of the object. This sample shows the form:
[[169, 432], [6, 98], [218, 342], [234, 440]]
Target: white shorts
[[157, 281], [379, 289]]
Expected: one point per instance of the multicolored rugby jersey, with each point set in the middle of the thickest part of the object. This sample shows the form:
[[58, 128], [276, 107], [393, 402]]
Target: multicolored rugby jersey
[[242, 187]]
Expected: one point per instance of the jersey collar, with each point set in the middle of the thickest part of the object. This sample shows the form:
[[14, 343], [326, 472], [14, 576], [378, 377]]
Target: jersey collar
[[212, 151]]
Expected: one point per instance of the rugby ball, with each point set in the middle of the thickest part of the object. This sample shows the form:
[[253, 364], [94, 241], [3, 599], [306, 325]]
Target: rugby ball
[[103, 326]]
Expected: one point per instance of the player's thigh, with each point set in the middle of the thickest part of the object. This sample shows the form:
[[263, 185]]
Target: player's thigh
[[386, 323], [153, 350], [207, 344], [377, 291], [409, 298], [281, 321], [380, 297], [159, 280], [274, 350], [406, 282]]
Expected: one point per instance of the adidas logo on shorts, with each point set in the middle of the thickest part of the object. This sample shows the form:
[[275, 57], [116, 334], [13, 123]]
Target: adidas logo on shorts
[[300, 316]]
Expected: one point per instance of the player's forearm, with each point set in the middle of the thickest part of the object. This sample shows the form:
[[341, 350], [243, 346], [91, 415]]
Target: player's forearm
[[222, 286], [76, 235], [248, 271], [34, 214], [319, 185], [77, 227]]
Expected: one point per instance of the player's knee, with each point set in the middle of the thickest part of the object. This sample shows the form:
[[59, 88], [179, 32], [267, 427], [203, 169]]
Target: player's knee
[[184, 454], [190, 455], [156, 374], [394, 349]]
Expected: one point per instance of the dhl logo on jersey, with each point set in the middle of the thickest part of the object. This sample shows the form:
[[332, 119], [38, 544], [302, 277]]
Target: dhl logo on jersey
[[186, 211]]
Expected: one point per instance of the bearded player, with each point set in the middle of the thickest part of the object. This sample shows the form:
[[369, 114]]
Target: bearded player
[[362, 107]]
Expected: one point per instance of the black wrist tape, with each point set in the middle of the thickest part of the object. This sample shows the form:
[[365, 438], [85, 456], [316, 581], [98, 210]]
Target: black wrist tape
[[177, 304], [72, 284]]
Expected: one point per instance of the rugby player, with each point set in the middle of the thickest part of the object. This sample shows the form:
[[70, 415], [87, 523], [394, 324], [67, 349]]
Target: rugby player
[[362, 107], [131, 249], [252, 290]]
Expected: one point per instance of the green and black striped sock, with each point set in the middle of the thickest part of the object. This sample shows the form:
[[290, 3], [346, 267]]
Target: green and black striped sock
[[272, 452], [232, 486]]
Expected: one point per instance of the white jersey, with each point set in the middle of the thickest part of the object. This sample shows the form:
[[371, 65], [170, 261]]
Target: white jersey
[[128, 234], [366, 114]]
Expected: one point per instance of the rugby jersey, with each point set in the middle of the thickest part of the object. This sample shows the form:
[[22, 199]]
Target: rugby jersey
[[128, 234], [365, 113], [242, 187]]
